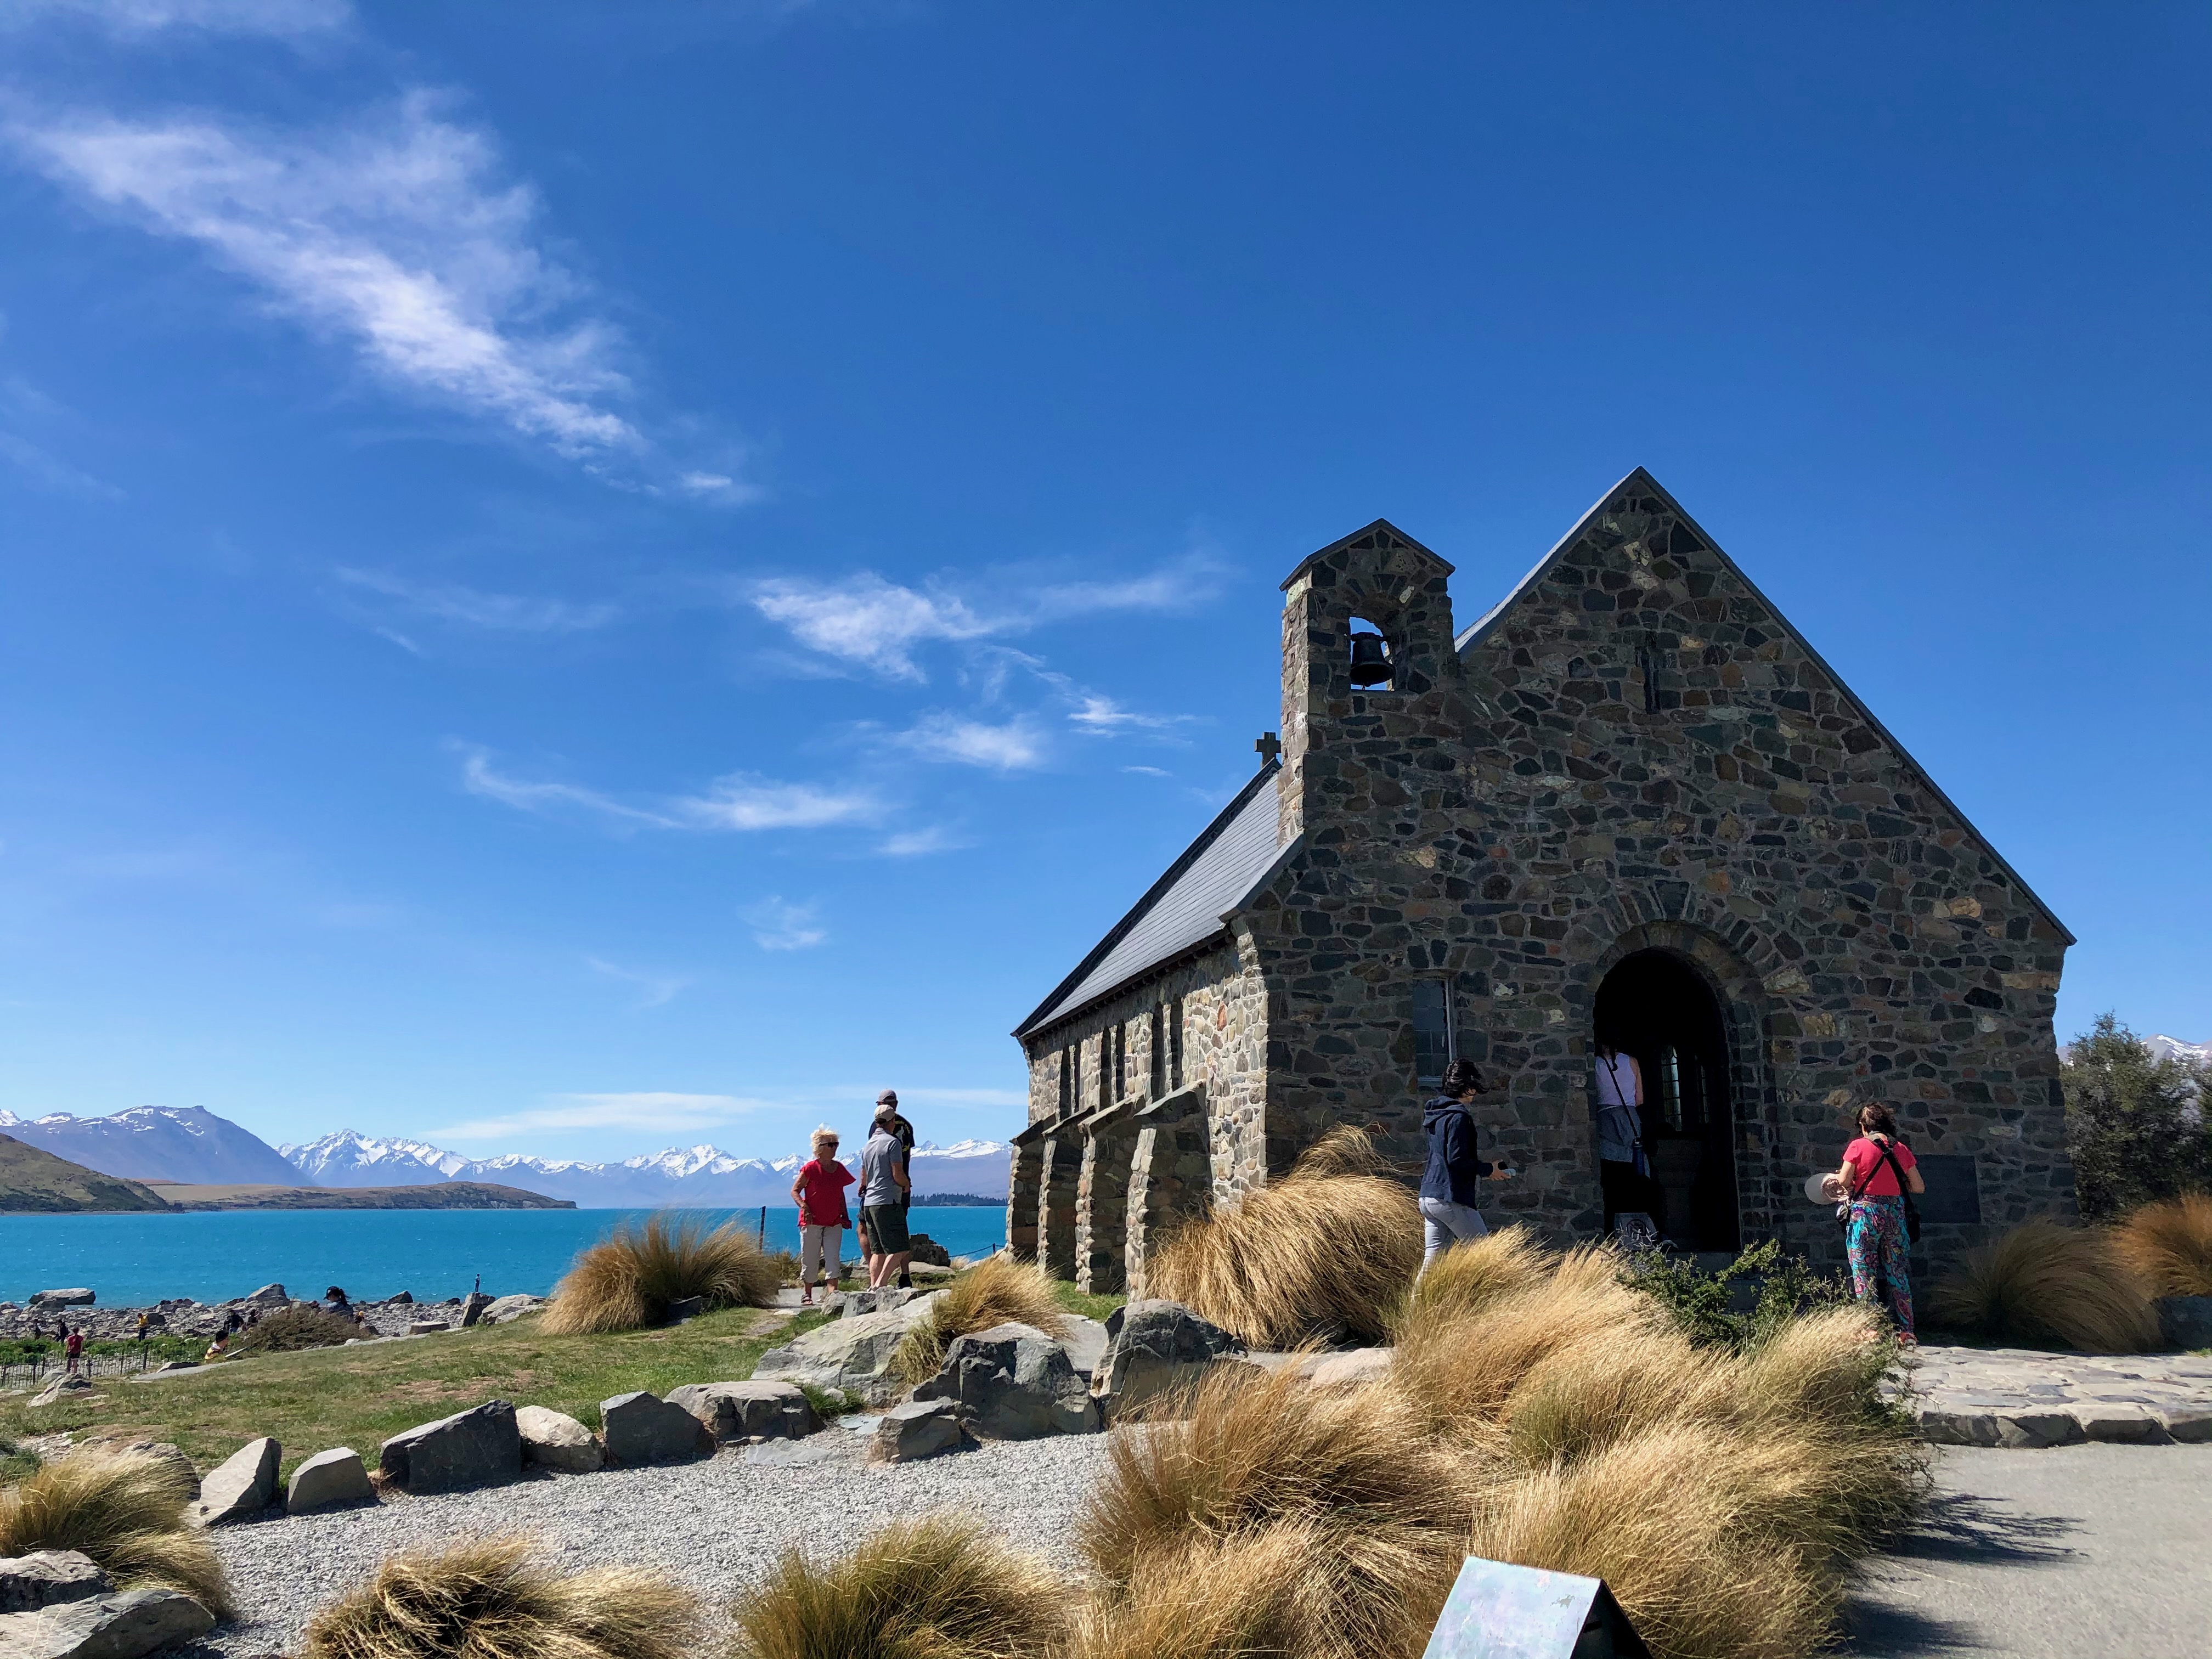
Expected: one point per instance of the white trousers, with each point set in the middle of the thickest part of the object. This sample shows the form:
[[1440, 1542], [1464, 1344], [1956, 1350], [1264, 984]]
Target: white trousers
[[1443, 1224], [820, 1246]]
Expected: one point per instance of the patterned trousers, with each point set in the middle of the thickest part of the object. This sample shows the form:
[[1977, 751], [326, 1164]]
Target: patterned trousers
[[1879, 1263]]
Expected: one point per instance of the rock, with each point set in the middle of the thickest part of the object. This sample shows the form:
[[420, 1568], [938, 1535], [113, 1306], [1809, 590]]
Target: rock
[[122, 1625], [1940, 1426], [1345, 1370], [242, 1485], [326, 1480], [928, 1272], [473, 1306], [47, 1300], [64, 1385], [475, 1448], [2125, 1423], [917, 1429], [2185, 1320], [405, 1300], [851, 1304], [1085, 1342], [554, 1440], [686, 1307], [853, 1355], [47, 1576], [1153, 1347], [643, 1428], [511, 1307], [2029, 1429], [927, 1251], [747, 1411], [1014, 1382], [2192, 1426], [268, 1293], [427, 1327]]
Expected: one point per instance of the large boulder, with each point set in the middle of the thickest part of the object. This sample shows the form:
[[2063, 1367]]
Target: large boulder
[[45, 1578], [478, 1447], [473, 1306], [1014, 1382], [123, 1625], [764, 1410], [852, 1355], [851, 1304], [554, 1440], [1085, 1342], [326, 1480], [2185, 1321], [642, 1428], [242, 1485], [510, 1306], [927, 1251], [47, 1300], [268, 1294], [918, 1429], [65, 1386], [1154, 1348]]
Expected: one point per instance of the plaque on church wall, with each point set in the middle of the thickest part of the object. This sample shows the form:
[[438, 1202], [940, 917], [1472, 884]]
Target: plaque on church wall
[[1954, 1192], [1496, 1611]]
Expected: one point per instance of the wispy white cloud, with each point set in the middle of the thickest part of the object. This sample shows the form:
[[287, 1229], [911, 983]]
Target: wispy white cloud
[[1015, 747], [1148, 771], [918, 843], [739, 802], [1103, 717], [644, 1110], [397, 235], [778, 926], [867, 620], [653, 989], [50, 471], [129, 20], [507, 613]]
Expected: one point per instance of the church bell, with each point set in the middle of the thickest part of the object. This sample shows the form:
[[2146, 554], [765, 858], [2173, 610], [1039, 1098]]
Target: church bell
[[1370, 666]]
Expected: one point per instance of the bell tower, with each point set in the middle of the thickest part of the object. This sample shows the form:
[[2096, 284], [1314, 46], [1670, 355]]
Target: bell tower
[[1367, 649]]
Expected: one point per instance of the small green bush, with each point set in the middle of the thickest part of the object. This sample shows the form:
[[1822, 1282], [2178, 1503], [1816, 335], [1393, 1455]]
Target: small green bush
[[294, 1329], [1702, 1303]]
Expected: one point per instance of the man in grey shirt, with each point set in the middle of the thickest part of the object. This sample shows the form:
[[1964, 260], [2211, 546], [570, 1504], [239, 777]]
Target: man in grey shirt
[[883, 1208]]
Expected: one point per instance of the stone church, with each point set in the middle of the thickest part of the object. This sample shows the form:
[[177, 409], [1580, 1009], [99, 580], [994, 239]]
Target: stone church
[[1629, 802]]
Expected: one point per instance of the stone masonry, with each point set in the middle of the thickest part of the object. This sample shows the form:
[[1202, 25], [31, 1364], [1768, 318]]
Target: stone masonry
[[1633, 753]]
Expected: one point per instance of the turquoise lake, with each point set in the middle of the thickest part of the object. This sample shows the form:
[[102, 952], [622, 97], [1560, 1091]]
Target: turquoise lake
[[213, 1255]]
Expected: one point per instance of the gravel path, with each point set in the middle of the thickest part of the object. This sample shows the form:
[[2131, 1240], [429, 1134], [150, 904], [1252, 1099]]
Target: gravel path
[[716, 1525]]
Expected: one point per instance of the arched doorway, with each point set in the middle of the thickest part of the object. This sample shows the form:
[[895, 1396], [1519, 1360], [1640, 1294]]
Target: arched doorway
[[1654, 1005]]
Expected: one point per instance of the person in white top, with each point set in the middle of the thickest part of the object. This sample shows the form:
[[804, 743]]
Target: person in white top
[[1624, 1171]]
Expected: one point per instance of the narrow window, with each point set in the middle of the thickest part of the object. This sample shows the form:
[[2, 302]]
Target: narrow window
[[1433, 1035], [1105, 1067], [1371, 669], [1156, 1054], [1647, 665], [1670, 1089], [1066, 1079], [1175, 1045], [1120, 1035]]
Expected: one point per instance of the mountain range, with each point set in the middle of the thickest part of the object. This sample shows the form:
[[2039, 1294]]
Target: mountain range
[[191, 1145]]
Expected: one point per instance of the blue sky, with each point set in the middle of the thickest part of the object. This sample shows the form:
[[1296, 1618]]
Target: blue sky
[[578, 578]]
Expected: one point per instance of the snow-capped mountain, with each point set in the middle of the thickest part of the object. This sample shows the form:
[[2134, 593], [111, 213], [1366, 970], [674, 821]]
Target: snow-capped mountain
[[702, 1176], [2166, 1047], [156, 1143]]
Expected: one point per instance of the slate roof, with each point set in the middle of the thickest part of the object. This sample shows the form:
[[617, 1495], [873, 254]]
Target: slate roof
[[1216, 874]]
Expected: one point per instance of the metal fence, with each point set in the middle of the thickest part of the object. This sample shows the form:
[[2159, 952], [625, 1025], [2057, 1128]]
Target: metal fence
[[41, 1368]]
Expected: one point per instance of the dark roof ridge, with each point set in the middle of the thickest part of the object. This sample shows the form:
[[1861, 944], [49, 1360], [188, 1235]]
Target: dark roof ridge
[[1115, 935], [1642, 479]]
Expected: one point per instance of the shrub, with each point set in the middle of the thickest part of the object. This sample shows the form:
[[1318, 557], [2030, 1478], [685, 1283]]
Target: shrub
[[994, 1291], [2042, 1283], [126, 1511], [487, 1600], [1323, 1254], [935, 1588], [626, 1281], [2127, 1126], [294, 1328], [1704, 1303], [2168, 1245]]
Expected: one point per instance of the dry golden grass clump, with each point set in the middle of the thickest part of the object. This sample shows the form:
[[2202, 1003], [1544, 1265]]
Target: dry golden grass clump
[[2042, 1283], [996, 1290], [126, 1511], [487, 1600], [935, 1588], [1324, 1253], [2168, 1245], [1472, 1274], [626, 1281]]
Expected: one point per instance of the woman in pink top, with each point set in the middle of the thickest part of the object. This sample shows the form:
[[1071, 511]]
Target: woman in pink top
[[1874, 1232], [819, 1191]]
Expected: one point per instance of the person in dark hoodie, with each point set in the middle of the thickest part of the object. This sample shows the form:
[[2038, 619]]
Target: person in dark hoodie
[[1448, 1195]]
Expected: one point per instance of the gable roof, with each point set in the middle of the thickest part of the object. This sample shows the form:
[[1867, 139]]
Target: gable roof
[[1216, 873], [1643, 481], [1382, 527]]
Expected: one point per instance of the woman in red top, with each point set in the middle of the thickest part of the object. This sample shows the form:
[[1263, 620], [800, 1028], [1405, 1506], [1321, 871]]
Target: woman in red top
[[1874, 1232], [819, 1191]]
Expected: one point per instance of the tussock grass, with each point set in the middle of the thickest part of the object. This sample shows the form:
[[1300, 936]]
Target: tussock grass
[[1471, 1275], [126, 1511], [2168, 1245], [994, 1291], [626, 1281], [1323, 1254], [935, 1588], [486, 1599], [295, 1328], [2042, 1283]]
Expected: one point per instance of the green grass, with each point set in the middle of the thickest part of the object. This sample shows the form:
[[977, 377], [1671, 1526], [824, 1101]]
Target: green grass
[[1091, 1307], [359, 1396]]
